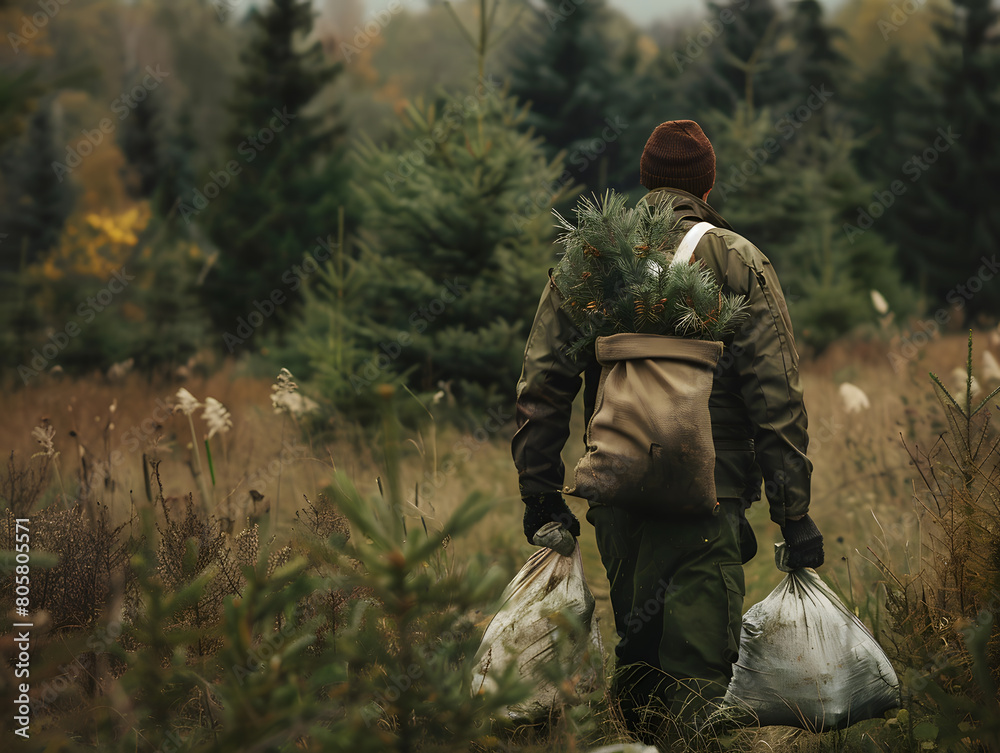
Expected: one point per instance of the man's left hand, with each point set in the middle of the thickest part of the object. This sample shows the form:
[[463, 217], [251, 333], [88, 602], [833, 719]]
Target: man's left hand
[[805, 543]]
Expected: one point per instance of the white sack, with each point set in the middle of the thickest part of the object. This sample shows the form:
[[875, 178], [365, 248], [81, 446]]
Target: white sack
[[528, 631], [807, 661]]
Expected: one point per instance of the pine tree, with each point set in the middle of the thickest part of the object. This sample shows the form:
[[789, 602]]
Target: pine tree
[[571, 75], [795, 206], [816, 57], [38, 203], [140, 141], [291, 178], [889, 105], [737, 59], [948, 216], [177, 150], [455, 242]]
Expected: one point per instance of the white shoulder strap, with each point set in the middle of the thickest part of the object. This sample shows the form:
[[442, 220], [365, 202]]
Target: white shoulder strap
[[690, 241]]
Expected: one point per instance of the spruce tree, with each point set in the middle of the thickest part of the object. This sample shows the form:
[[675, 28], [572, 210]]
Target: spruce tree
[[889, 105], [794, 206], [948, 216], [140, 142], [37, 203], [742, 63], [816, 58], [820, 66], [176, 154], [455, 240], [160, 145], [571, 76], [291, 178]]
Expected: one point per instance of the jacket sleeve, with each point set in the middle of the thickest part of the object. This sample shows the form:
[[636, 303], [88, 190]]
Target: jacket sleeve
[[549, 383], [764, 356]]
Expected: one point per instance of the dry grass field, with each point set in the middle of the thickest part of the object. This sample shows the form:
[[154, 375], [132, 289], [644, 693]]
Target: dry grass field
[[867, 496], [862, 482]]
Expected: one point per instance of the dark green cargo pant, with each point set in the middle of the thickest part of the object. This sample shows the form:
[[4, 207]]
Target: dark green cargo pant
[[677, 593]]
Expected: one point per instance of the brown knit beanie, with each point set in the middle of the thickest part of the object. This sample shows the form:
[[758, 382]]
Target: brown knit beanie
[[678, 154]]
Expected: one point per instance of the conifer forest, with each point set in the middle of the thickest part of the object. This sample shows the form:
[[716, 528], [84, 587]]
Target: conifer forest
[[267, 274]]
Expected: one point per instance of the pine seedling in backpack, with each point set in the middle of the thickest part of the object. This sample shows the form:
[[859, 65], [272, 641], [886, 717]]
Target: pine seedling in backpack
[[615, 276]]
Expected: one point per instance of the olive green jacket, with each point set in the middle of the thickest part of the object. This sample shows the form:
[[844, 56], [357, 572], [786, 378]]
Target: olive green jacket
[[758, 417]]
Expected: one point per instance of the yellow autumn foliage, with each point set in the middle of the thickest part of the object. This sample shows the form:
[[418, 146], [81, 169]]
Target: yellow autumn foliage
[[95, 244]]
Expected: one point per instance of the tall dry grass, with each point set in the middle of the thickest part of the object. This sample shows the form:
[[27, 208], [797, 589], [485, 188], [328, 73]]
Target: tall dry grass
[[863, 482]]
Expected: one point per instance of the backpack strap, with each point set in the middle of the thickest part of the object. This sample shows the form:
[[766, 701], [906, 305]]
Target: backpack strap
[[689, 242]]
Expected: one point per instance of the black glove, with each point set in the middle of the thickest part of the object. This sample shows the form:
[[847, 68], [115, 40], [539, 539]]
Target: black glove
[[544, 508], [805, 543]]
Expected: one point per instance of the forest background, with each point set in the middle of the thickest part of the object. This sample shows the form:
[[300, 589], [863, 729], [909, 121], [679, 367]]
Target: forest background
[[309, 184]]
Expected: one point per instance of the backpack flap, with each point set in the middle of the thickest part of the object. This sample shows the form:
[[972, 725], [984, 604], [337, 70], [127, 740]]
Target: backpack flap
[[649, 440]]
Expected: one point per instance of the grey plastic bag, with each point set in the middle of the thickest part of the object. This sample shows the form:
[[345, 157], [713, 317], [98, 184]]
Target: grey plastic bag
[[807, 661], [528, 631]]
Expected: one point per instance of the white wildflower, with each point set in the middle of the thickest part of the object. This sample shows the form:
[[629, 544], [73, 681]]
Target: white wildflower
[[286, 399], [217, 417], [281, 389], [879, 302], [854, 398], [293, 403], [121, 369], [991, 369], [186, 402], [44, 436]]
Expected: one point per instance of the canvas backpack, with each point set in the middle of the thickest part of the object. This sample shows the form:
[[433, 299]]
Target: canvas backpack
[[649, 439]]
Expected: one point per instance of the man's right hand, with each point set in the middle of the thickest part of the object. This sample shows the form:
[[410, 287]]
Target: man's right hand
[[544, 508]]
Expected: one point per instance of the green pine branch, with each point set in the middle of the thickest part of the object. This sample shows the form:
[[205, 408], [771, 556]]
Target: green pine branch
[[615, 275]]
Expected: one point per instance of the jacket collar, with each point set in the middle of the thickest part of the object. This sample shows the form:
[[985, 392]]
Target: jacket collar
[[687, 206]]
